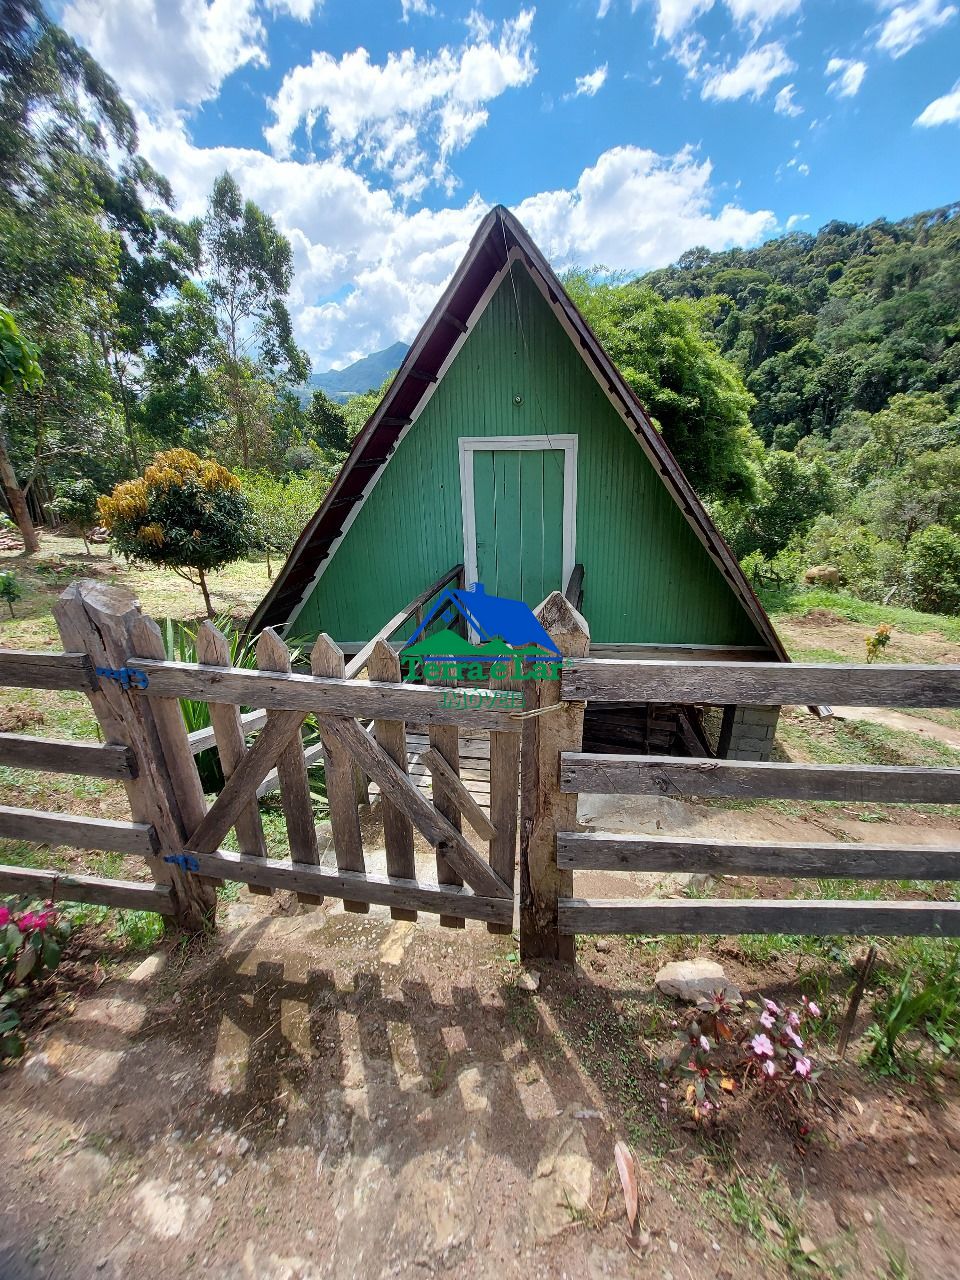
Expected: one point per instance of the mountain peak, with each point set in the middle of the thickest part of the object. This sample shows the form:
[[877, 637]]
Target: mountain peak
[[363, 375]]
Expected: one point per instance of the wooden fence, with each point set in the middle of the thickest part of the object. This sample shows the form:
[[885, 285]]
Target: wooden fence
[[115, 656]]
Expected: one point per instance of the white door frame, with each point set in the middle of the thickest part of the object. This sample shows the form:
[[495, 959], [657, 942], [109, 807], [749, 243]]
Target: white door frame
[[469, 445]]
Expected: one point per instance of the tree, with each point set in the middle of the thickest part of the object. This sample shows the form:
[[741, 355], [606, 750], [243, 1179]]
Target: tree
[[792, 493], [76, 504], [328, 423], [18, 369], [933, 569], [184, 514], [248, 269], [695, 396], [282, 508]]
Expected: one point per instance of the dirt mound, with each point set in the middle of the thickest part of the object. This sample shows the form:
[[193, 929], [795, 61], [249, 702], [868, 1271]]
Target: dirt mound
[[818, 618]]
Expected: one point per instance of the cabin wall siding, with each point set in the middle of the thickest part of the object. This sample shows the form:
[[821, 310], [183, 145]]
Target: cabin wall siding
[[647, 576]]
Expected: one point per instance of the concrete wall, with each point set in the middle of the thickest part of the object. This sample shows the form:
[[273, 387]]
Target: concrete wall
[[752, 733]]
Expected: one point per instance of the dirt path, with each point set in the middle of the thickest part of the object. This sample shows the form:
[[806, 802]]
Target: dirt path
[[902, 720]]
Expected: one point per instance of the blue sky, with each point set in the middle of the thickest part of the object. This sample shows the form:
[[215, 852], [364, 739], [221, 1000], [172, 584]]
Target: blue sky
[[377, 132]]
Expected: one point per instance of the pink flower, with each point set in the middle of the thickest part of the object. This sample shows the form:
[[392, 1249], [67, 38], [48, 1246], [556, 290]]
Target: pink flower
[[28, 922], [4, 915], [770, 1006], [803, 1066], [793, 1018], [812, 1008], [706, 1106], [705, 1044], [761, 1046], [769, 1068], [767, 1019], [789, 1031]]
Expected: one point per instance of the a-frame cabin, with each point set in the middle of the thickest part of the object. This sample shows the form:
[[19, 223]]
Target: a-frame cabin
[[509, 444]]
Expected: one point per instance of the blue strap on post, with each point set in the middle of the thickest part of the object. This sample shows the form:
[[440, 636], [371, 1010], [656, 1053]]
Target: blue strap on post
[[185, 861]]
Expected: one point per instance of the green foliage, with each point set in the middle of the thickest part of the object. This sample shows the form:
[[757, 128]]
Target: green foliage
[[790, 494], [184, 514], [76, 504], [919, 1012], [328, 423], [30, 945], [667, 353], [18, 357], [10, 589], [282, 507], [933, 569]]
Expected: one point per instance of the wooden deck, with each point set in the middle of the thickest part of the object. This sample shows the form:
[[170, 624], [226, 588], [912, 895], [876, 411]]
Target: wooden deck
[[474, 764]]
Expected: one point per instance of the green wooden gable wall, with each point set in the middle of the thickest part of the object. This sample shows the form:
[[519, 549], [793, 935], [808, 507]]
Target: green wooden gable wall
[[647, 577]]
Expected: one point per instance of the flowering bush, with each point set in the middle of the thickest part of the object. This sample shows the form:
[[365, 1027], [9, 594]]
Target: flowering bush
[[30, 943], [877, 641], [726, 1051]]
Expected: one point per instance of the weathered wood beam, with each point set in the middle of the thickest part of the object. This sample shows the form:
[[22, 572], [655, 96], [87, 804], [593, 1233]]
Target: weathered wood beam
[[73, 888], [756, 915], [380, 890], [417, 703], [91, 759], [763, 683], [458, 793], [599, 851], [683, 652], [669, 776], [391, 735], [28, 669], [76, 832], [203, 739]]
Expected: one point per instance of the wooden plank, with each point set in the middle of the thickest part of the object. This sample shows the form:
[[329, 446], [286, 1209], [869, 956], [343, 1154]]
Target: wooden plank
[[458, 793], [444, 740], [31, 669], [764, 683], [756, 915], [91, 759], [503, 798], [599, 851], [76, 832], [574, 590], [213, 649], [544, 809], [131, 894], [327, 660], [391, 735], [380, 890], [204, 739], [312, 755], [357, 663], [683, 652], [336, 697], [279, 731], [395, 784], [273, 655], [667, 775]]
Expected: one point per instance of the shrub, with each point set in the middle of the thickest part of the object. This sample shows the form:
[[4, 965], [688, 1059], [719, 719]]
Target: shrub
[[933, 569], [30, 943], [282, 508], [184, 514], [10, 589], [870, 567], [76, 504]]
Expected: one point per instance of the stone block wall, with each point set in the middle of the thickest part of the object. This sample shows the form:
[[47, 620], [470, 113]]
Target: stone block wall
[[752, 733]]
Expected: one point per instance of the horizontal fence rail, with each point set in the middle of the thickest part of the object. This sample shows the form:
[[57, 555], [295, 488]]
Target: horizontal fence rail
[[735, 779], [76, 831], [25, 669], [762, 683], [599, 851], [757, 915], [94, 889], [91, 759], [273, 691]]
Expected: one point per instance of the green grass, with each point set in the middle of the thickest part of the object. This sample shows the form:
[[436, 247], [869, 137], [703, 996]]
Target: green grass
[[947, 716], [860, 742], [796, 602]]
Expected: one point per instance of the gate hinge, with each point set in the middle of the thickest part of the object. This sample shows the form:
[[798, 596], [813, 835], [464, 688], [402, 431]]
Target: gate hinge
[[185, 861], [126, 677]]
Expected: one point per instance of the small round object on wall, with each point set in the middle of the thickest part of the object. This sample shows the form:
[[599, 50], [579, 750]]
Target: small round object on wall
[[518, 399]]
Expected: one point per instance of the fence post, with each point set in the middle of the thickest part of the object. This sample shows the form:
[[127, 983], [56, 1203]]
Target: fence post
[[105, 622], [544, 809]]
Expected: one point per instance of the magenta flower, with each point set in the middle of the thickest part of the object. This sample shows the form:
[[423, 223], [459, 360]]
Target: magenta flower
[[767, 1019], [769, 1068], [4, 915], [803, 1066], [28, 922], [793, 1018], [706, 1106], [770, 1006], [761, 1046]]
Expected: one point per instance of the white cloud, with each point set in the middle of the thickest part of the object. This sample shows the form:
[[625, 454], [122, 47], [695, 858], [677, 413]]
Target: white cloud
[[408, 115], [795, 219], [945, 110], [759, 14], [636, 209], [751, 76], [908, 24], [421, 7], [590, 85], [302, 10], [385, 268], [847, 76], [784, 104], [169, 53], [603, 8], [675, 16]]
